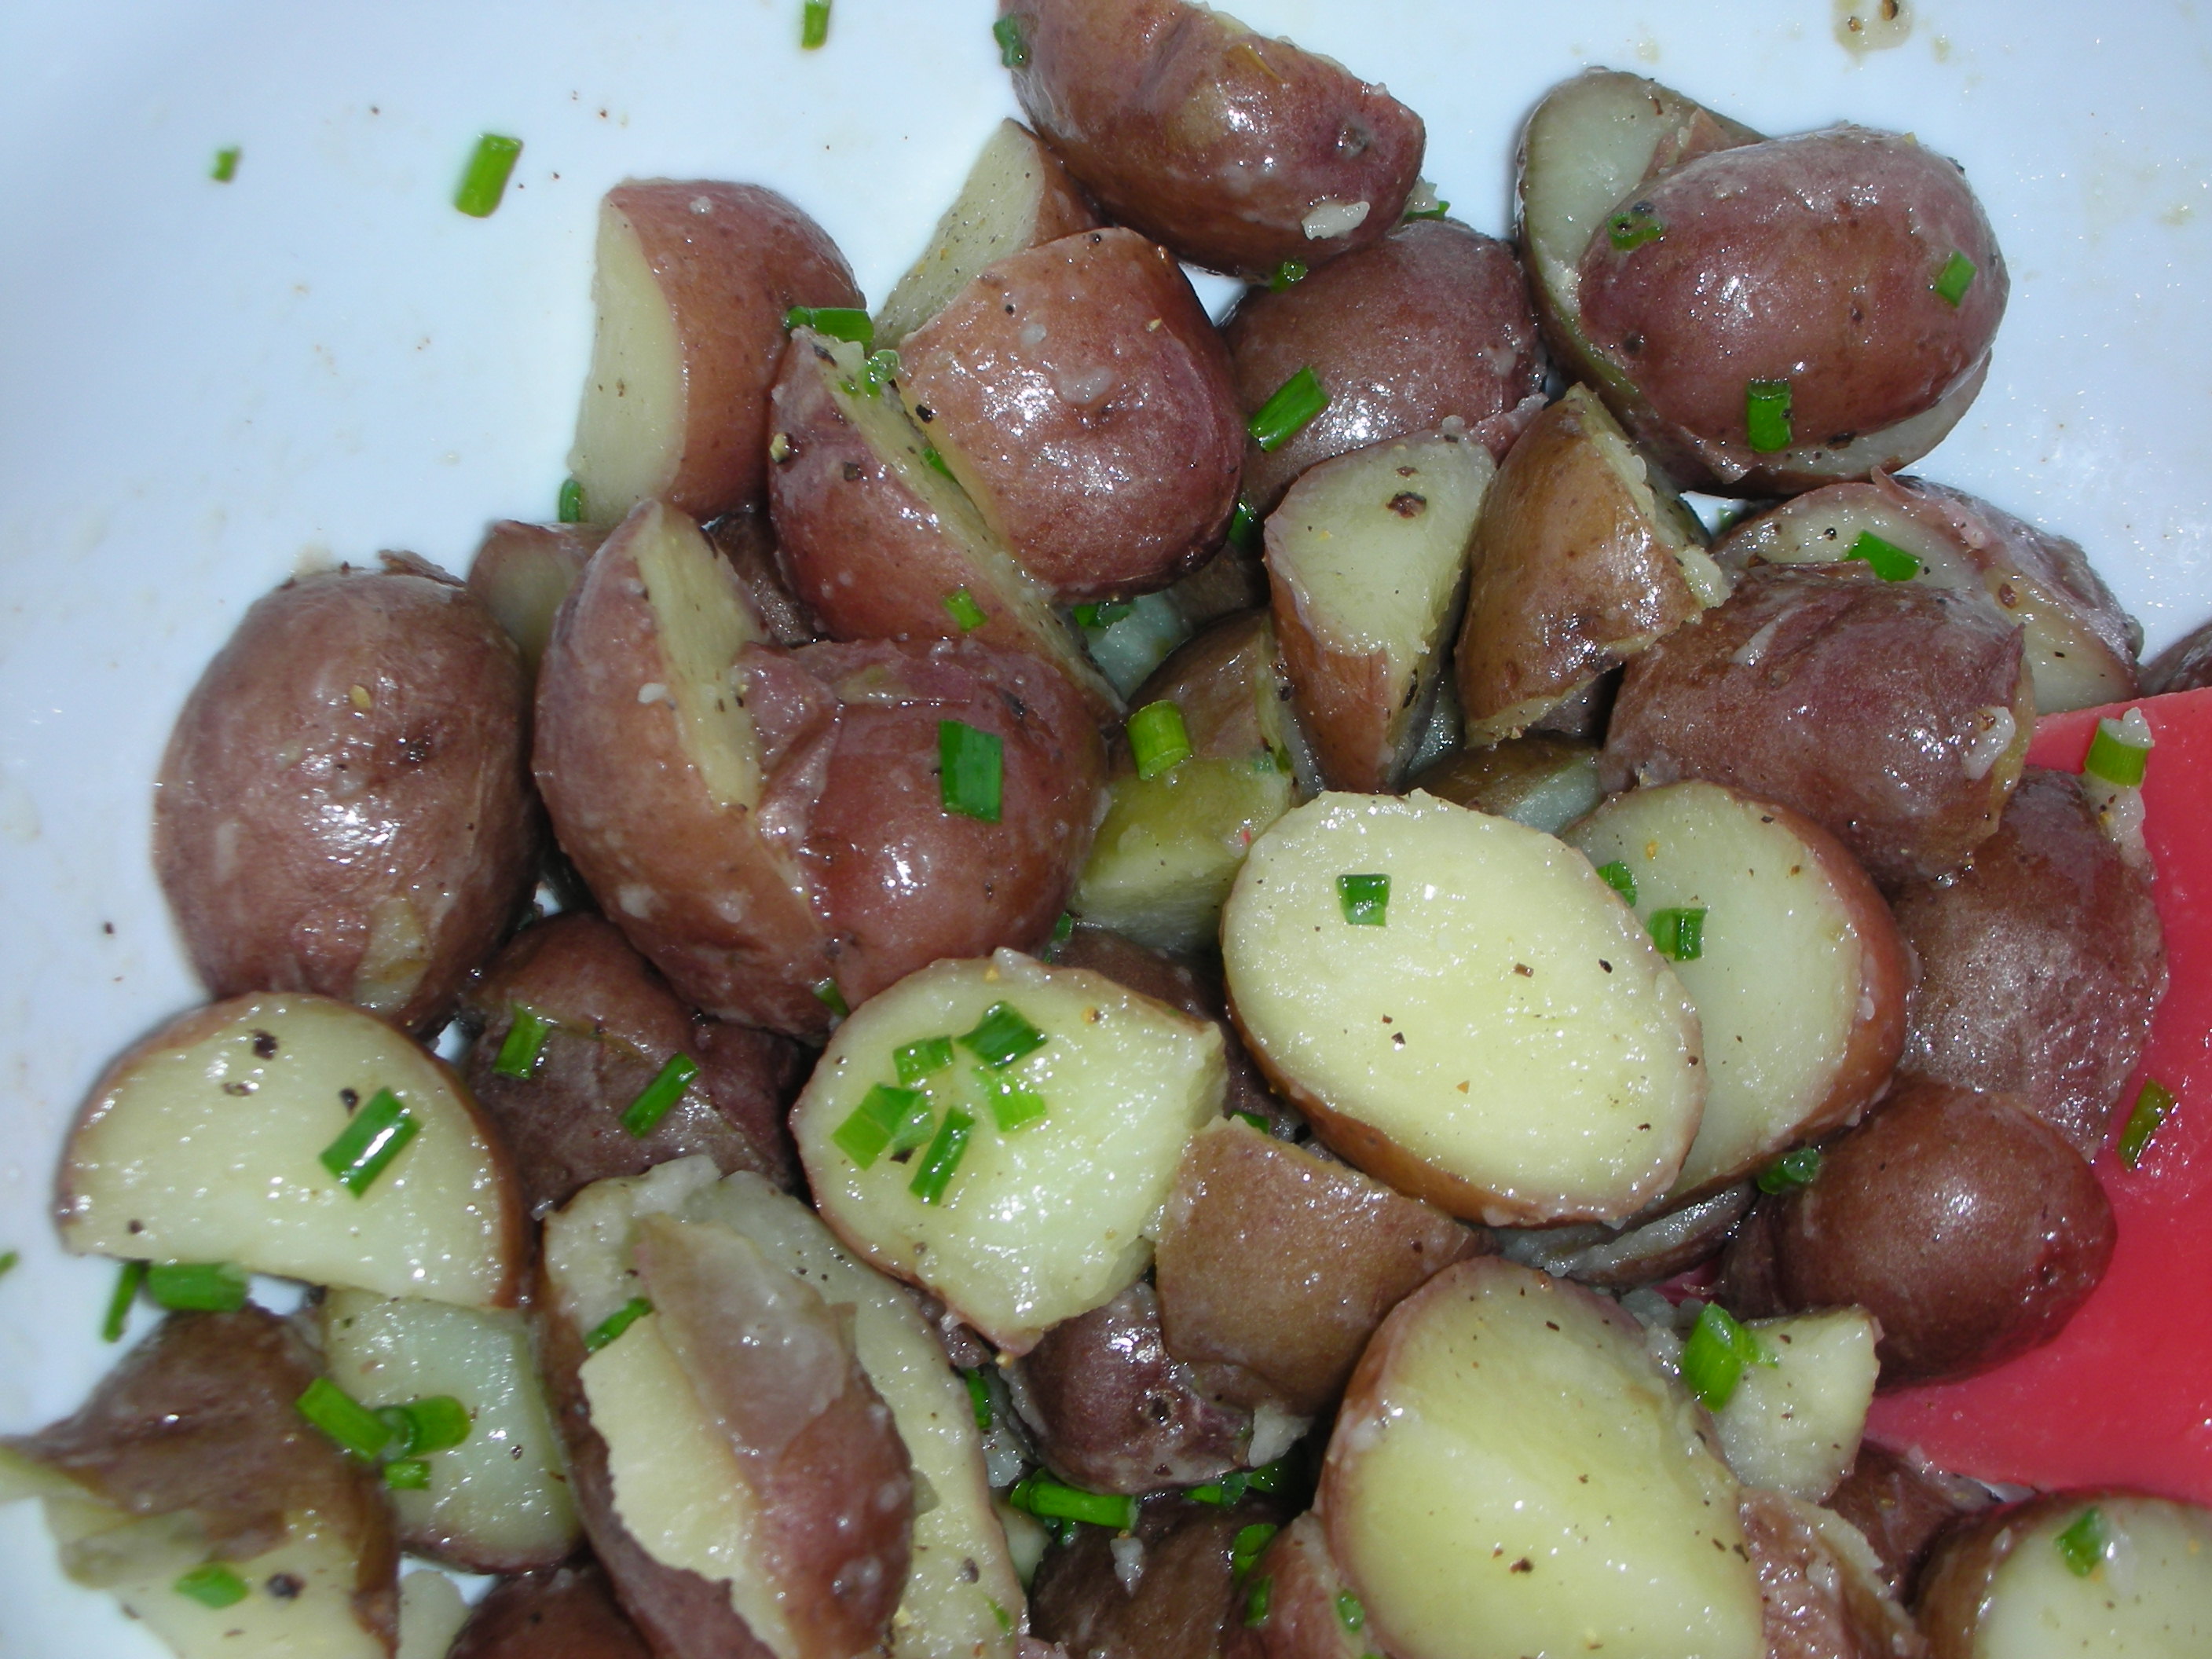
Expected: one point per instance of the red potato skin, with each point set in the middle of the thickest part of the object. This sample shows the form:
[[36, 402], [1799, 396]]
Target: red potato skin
[[569, 1612], [360, 739], [1431, 323], [747, 541], [522, 572], [1645, 1251], [1081, 395], [1303, 1585], [1210, 140], [2184, 665], [1900, 1511], [1186, 1605], [1819, 1601]]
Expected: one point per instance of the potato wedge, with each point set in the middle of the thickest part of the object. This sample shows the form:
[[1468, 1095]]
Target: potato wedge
[[1367, 560], [1794, 1425], [1545, 782], [1799, 975], [522, 572], [1036, 1193], [1513, 1475], [1507, 1045], [206, 1141]]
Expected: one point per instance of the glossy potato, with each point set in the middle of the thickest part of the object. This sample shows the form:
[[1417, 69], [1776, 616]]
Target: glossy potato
[[522, 572], [1177, 1599], [569, 1612]]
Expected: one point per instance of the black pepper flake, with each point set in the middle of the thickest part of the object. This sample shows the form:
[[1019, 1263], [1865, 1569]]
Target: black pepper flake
[[265, 1045]]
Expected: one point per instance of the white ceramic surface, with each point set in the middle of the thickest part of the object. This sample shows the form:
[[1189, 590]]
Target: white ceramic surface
[[206, 387]]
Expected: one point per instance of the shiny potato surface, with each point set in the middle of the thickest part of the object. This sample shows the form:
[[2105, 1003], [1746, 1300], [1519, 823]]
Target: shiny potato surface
[[1183, 1602], [569, 1612]]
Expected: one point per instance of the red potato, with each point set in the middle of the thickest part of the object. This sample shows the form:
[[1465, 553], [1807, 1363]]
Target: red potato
[[1078, 393], [1238, 152], [1545, 782], [1178, 1598], [523, 571], [1901, 1509], [344, 806], [693, 281], [1820, 1586], [569, 1612], [1644, 1251], [1306, 1615], [2184, 665], [747, 541], [1428, 325]]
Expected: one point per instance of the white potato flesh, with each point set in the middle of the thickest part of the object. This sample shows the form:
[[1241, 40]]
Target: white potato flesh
[[1795, 1426], [703, 623], [204, 1143], [629, 431], [1788, 982], [1509, 1045], [1512, 1475], [1044, 1221], [499, 1501], [431, 1615], [2150, 1597]]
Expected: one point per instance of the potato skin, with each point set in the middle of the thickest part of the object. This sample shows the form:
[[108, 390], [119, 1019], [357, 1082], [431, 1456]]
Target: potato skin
[[1184, 1605], [523, 571], [1895, 716], [1207, 137], [1432, 323], [1821, 1588], [1303, 1584], [1899, 1510], [2184, 665], [569, 1613], [344, 806]]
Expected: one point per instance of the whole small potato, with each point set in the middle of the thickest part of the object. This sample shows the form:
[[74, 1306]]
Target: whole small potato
[[345, 805]]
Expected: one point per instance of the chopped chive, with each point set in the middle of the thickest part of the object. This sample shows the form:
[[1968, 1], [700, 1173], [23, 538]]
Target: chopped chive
[[1048, 1500], [814, 25], [1257, 1600], [838, 322], [1012, 1107], [1231, 1487], [1006, 1620], [1102, 616], [1766, 415], [916, 1061], [1295, 402], [1062, 931], [664, 1091], [616, 1323], [128, 1279], [960, 604], [1364, 900], [1438, 211], [569, 504], [938, 1164], [880, 370], [826, 994], [1268, 1477], [430, 1424], [1952, 282], [212, 1585], [1014, 45], [1634, 228], [377, 1134], [1002, 1037], [485, 180], [1619, 877], [1254, 1118], [351, 1425], [2081, 1546], [2153, 1105], [1714, 1357], [979, 1398], [1349, 1612], [226, 166], [936, 463], [1159, 740], [1244, 530], [971, 769], [408, 1475], [1245, 1550], [1798, 1167], [1886, 559], [884, 1121], [197, 1286], [2116, 758], [1679, 933], [8, 1260], [525, 1040], [1289, 271]]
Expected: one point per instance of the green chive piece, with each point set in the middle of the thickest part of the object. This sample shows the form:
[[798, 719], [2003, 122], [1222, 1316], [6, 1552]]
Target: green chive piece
[[8, 1260], [1619, 877], [1048, 1500], [569, 506], [838, 322], [881, 369], [197, 1286], [1012, 1107], [1887, 559], [1014, 45], [979, 1398], [916, 1061], [1257, 1600], [814, 25], [970, 770], [1002, 1037], [664, 1091], [226, 166], [355, 1427], [826, 994], [1231, 1487], [1438, 211], [1679, 933], [128, 1279], [1062, 930], [485, 180], [1366, 900], [936, 463], [430, 1424], [2081, 1546], [1102, 616], [1244, 530], [408, 1475], [1159, 740], [2154, 1103], [212, 1584], [1284, 275], [1766, 415], [939, 1163], [1268, 1477], [1714, 1357], [1297, 401], [1245, 1550], [378, 1133], [885, 1121], [2115, 757], [1006, 1620], [616, 1323], [525, 1040], [1798, 1167], [960, 604], [1349, 1613], [1952, 282], [1633, 228], [1254, 1118]]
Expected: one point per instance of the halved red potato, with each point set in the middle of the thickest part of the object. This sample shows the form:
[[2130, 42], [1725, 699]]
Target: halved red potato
[[1798, 974], [1309, 1614], [522, 572], [2081, 644], [217, 1138], [1497, 1037], [1078, 393], [1512, 1473], [1017, 195], [1057, 1103], [1546, 782], [1238, 152], [747, 540], [692, 283], [1821, 1583], [1792, 1423], [1581, 558], [1367, 558]]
